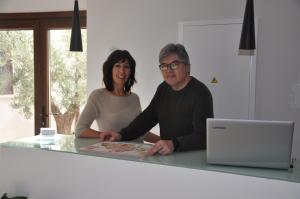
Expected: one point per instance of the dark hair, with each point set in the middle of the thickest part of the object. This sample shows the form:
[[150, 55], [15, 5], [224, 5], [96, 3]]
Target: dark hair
[[115, 57]]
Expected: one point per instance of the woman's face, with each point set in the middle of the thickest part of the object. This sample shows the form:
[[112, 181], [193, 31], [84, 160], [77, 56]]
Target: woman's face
[[176, 78], [120, 73]]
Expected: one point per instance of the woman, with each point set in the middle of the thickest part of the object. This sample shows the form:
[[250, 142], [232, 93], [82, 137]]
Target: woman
[[114, 106]]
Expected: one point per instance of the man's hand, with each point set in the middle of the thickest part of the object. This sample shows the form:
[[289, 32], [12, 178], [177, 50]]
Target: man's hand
[[163, 147], [110, 136]]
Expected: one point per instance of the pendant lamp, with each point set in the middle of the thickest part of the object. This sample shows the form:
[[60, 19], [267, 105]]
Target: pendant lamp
[[76, 41], [247, 41]]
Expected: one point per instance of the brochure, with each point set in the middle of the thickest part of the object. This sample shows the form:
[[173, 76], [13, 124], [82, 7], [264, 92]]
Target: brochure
[[119, 148]]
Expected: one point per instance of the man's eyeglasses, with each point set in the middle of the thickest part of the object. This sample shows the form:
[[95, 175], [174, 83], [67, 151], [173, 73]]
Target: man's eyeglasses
[[172, 66]]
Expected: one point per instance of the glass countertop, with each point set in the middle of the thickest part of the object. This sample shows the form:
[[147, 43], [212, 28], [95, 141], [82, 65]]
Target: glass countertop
[[191, 159]]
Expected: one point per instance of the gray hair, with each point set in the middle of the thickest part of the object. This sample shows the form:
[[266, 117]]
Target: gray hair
[[177, 49]]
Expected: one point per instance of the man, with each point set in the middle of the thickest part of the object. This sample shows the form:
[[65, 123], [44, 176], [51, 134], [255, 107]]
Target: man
[[180, 105]]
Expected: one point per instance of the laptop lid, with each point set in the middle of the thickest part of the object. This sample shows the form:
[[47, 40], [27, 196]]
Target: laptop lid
[[252, 143]]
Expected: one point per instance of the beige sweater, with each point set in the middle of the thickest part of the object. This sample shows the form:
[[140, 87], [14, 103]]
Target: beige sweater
[[112, 113]]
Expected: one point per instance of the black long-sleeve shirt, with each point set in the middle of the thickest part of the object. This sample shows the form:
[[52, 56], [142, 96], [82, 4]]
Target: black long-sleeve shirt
[[181, 115]]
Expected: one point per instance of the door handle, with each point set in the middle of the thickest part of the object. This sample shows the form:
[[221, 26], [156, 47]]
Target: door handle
[[43, 117]]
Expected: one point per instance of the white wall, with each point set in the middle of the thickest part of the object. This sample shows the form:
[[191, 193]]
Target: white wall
[[144, 26], [278, 64]]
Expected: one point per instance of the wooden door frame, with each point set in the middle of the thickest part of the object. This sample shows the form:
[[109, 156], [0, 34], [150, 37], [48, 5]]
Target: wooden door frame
[[40, 23]]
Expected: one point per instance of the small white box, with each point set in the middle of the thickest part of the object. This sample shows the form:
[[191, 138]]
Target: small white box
[[47, 131]]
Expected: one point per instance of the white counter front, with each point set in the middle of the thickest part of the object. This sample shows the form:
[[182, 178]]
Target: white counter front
[[60, 171]]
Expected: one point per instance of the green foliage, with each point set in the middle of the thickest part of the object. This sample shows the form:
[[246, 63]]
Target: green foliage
[[17, 47], [67, 70], [6, 79]]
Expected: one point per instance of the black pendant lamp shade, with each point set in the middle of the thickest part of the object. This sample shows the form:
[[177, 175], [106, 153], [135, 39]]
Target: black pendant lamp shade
[[76, 42], [247, 41]]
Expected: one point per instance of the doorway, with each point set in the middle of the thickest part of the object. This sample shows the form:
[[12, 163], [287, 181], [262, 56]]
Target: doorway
[[27, 58]]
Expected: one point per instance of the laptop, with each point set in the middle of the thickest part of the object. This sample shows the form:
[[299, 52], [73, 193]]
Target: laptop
[[251, 143]]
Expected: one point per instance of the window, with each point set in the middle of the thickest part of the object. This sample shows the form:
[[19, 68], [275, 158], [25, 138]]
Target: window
[[30, 56]]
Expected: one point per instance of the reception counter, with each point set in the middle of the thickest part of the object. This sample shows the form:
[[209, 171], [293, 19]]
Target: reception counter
[[55, 167]]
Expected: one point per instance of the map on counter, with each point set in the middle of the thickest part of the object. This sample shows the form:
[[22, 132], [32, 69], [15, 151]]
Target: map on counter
[[119, 148]]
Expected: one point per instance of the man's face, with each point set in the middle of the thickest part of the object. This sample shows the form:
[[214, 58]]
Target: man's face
[[177, 76]]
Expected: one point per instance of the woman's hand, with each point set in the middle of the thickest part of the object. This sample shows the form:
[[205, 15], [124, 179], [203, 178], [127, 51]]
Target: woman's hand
[[110, 136]]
